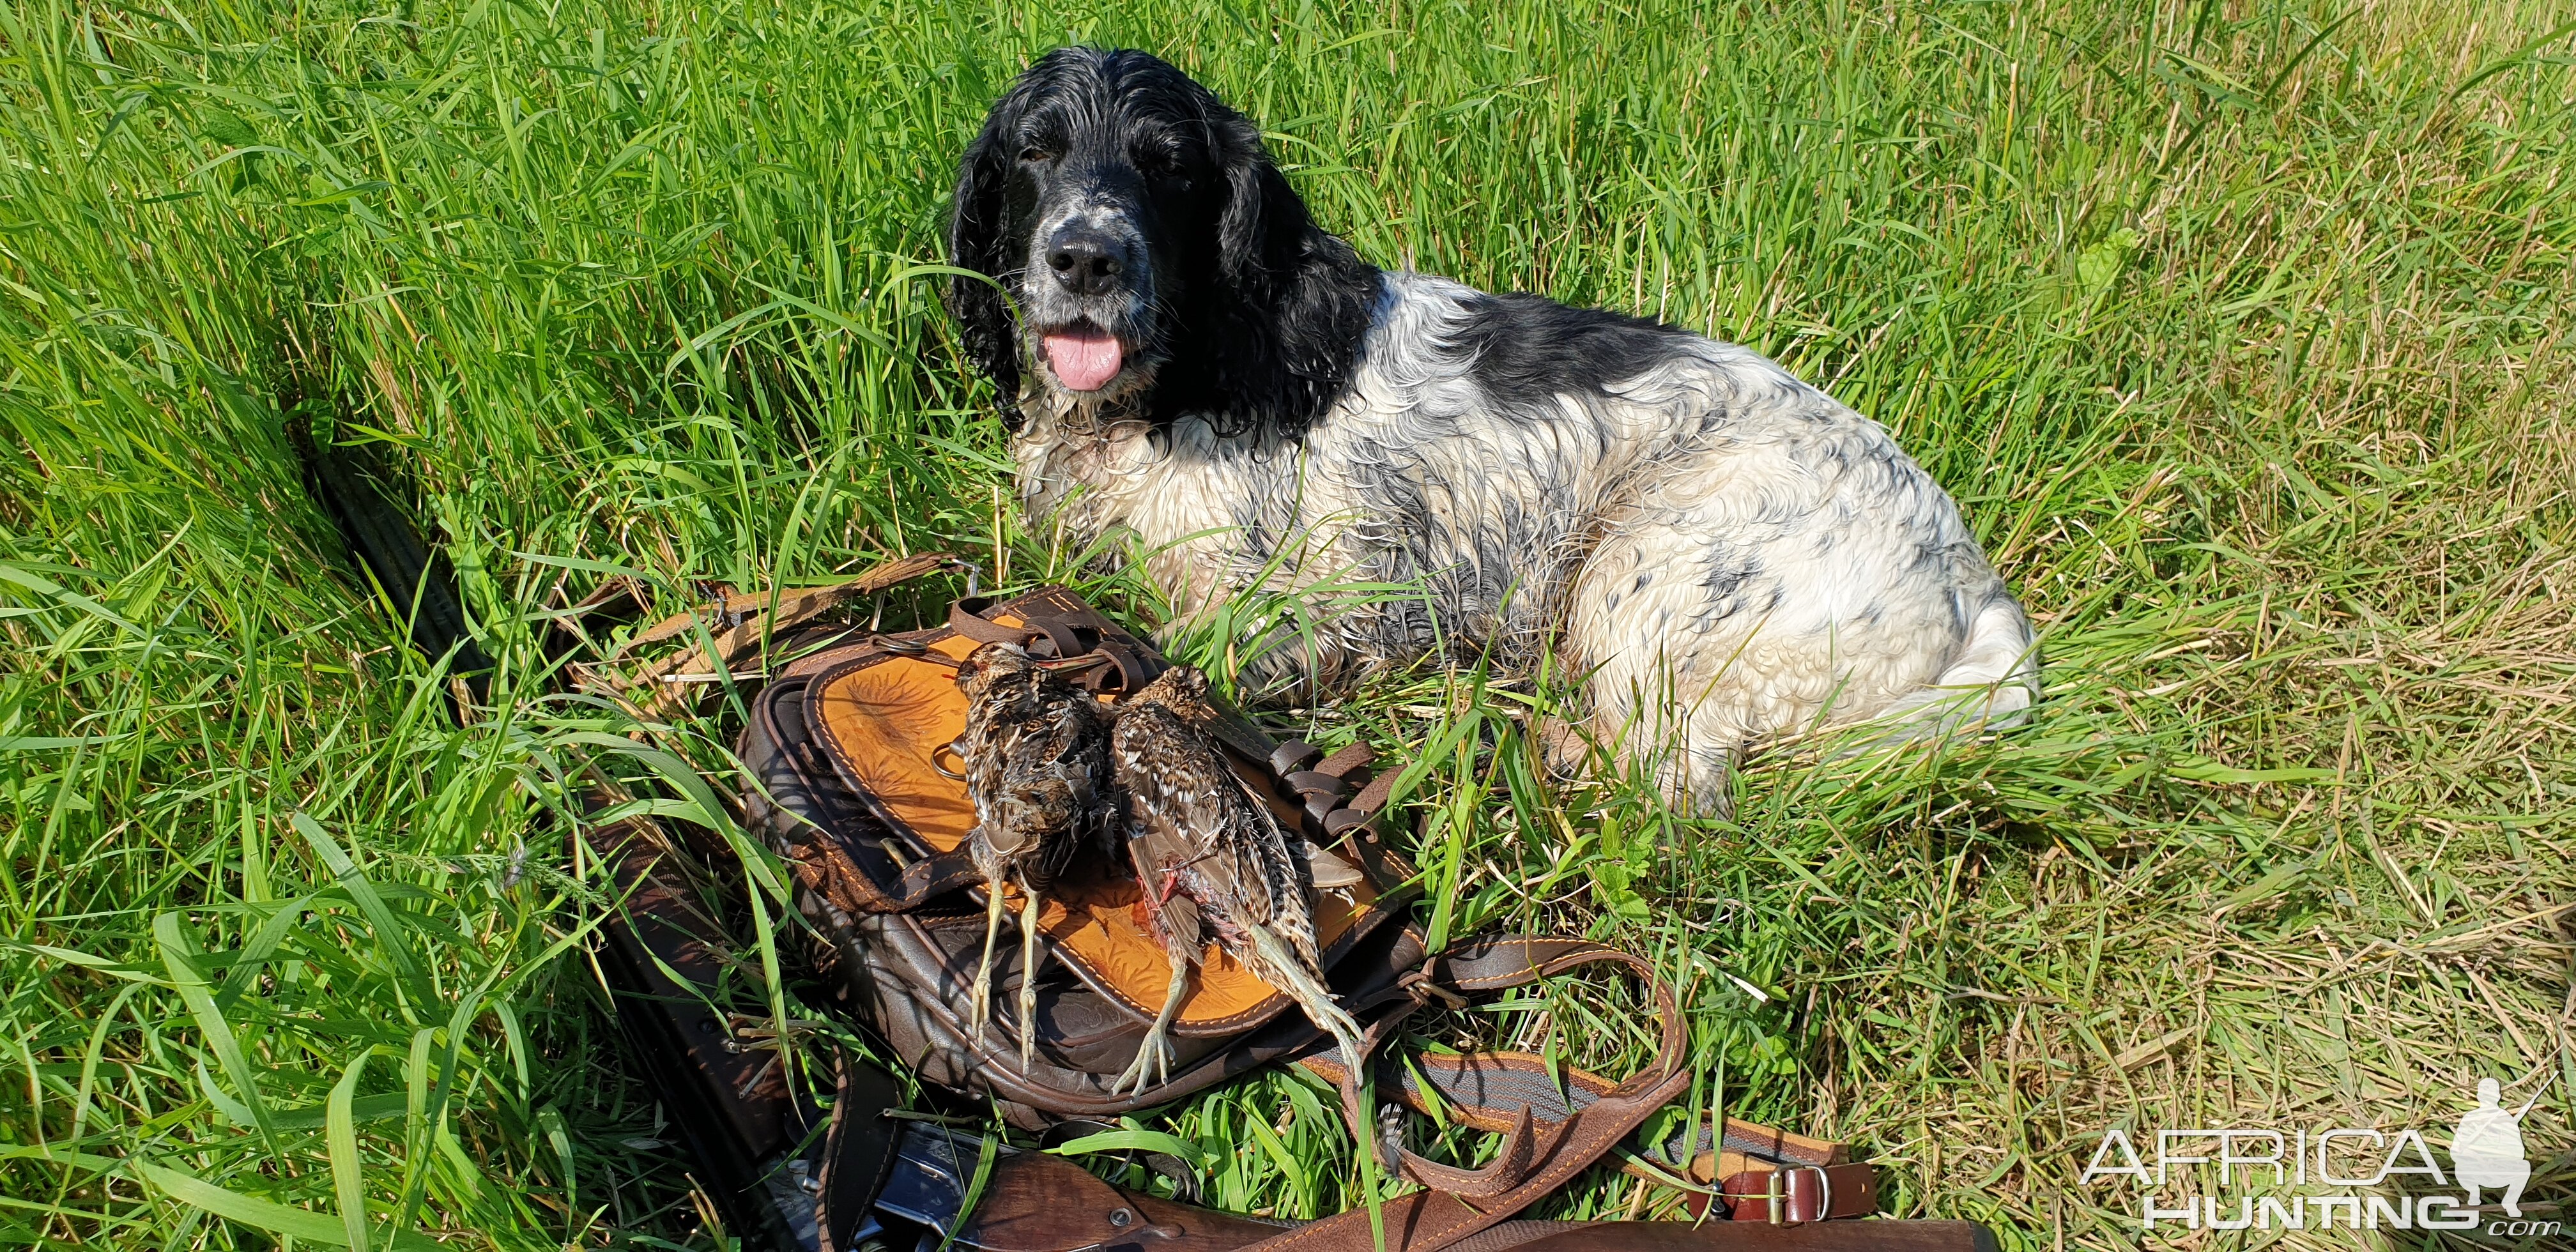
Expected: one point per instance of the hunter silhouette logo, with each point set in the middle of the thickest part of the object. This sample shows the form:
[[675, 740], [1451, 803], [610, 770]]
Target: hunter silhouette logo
[[2486, 1147], [2275, 1174]]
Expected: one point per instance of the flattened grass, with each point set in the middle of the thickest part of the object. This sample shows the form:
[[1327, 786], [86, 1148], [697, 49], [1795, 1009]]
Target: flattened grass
[[2241, 330]]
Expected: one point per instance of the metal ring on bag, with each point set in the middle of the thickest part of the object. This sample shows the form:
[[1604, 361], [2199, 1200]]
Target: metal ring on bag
[[951, 749]]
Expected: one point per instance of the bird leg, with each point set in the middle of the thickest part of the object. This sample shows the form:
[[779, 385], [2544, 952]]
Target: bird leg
[[1274, 962], [979, 1005], [1281, 968], [1153, 1052], [1029, 957]]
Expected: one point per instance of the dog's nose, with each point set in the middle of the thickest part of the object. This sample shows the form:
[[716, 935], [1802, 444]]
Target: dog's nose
[[1086, 261]]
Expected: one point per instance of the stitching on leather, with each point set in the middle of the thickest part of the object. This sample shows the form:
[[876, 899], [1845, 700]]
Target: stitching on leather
[[837, 867]]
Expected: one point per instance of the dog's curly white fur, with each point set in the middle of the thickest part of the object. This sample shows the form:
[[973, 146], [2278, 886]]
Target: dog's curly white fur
[[1729, 555]]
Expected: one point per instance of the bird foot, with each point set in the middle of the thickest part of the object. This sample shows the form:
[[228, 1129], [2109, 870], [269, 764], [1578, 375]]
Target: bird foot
[[1153, 1057]]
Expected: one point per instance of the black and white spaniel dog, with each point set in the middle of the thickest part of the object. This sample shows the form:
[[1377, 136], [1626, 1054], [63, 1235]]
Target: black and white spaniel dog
[[1727, 554]]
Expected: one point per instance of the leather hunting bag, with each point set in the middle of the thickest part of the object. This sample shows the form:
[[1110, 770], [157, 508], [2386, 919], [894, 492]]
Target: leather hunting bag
[[853, 781]]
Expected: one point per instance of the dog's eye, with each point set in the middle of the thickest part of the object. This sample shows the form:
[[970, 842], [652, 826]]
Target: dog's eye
[[1035, 156]]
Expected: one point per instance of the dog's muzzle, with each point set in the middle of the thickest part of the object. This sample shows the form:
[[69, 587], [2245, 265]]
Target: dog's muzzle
[[1085, 296]]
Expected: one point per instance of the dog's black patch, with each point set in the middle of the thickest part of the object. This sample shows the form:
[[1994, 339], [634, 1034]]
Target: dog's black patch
[[1527, 347]]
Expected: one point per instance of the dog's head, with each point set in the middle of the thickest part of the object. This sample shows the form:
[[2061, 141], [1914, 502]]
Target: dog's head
[[1157, 259]]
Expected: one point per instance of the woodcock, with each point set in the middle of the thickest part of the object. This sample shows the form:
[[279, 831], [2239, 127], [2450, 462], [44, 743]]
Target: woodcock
[[1037, 768], [1213, 863]]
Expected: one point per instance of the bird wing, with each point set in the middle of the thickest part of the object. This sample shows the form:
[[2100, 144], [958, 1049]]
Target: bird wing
[[984, 747], [1175, 805], [1274, 893]]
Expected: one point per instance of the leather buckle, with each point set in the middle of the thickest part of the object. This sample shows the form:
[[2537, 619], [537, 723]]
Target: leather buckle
[[1780, 1191]]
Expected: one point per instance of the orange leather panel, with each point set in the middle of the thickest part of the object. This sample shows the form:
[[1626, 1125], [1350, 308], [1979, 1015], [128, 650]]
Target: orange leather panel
[[888, 718]]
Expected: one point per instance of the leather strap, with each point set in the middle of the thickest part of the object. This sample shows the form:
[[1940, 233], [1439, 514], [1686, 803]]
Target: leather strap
[[857, 1152], [1878, 1236], [1536, 1157], [1489, 1089], [1322, 792], [1116, 670], [1341, 764], [1121, 670], [1794, 1197], [965, 618], [1038, 1203], [929, 878], [1063, 638], [1310, 782], [1292, 756], [1323, 784], [1373, 796], [1033, 1202], [725, 609], [1518, 1095]]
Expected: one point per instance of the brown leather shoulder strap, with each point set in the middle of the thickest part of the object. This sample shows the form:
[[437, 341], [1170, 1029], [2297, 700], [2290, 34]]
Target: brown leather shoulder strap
[[1057, 626], [929, 878], [1342, 763], [965, 618], [1537, 1156]]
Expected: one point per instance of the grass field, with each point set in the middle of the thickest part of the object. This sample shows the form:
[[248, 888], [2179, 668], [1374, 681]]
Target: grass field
[[2241, 329]]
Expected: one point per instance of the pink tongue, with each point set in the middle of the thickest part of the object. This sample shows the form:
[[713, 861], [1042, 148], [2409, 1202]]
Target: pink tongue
[[1086, 361]]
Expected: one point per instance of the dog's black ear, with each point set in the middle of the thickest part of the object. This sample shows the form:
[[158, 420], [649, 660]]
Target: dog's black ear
[[1263, 229], [1294, 301], [975, 243]]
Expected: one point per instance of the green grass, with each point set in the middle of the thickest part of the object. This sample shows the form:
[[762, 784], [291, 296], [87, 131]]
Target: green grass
[[2240, 328]]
